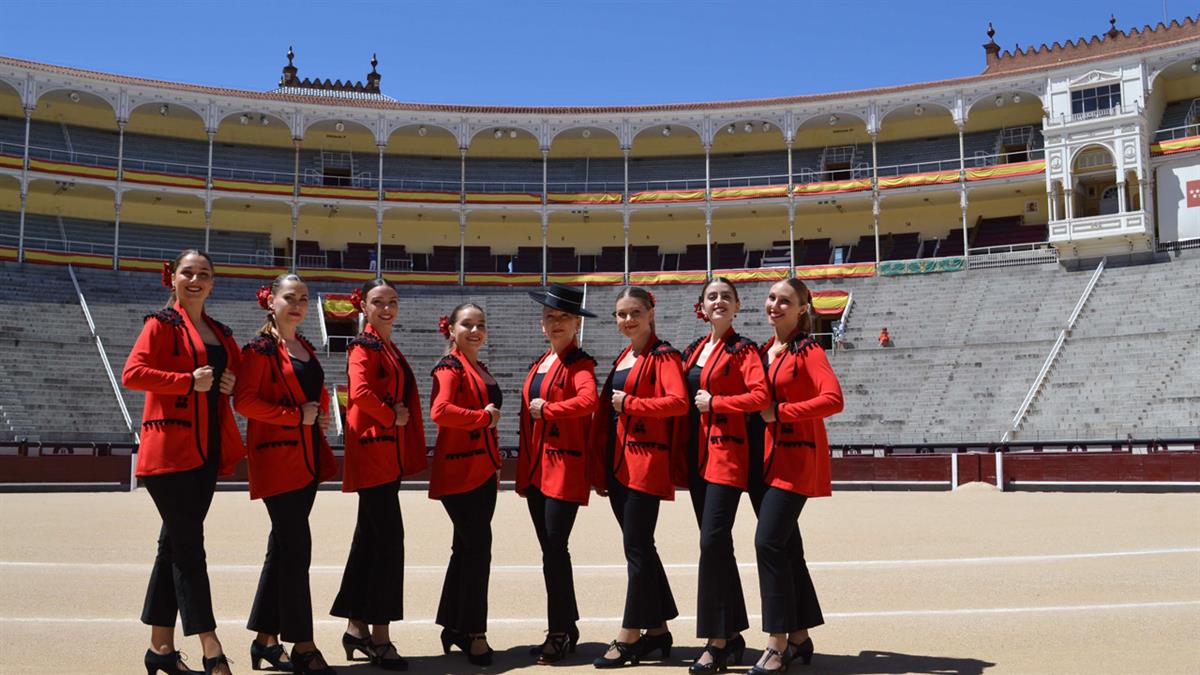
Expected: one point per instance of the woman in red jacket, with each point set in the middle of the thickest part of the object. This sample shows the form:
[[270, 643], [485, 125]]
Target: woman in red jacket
[[638, 434], [281, 392], [385, 441], [466, 408], [185, 362], [557, 402], [726, 383], [795, 467]]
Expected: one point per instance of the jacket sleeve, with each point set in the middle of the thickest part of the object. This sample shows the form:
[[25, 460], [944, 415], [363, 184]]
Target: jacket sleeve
[[140, 371], [361, 394], [828, 400], [673, 402], [755, 398], [247, 393], [445, 412], [584, 401]]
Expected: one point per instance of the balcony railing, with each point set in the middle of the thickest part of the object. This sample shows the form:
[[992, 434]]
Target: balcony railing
[[145, 252], [802, 175], [1123, 108], [1174, 133]]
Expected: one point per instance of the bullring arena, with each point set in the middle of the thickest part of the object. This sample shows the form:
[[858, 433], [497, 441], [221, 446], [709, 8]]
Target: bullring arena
[[1015, 470]]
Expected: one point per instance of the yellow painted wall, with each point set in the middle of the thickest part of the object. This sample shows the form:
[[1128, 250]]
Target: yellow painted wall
[[1180, 88]]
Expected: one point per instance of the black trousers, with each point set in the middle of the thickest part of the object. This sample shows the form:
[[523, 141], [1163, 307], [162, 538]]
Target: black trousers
[[789, 601], [553, 520], [720, 603], [648, 599], [464, 603], [283, 603], [372, 588], [179, 578]]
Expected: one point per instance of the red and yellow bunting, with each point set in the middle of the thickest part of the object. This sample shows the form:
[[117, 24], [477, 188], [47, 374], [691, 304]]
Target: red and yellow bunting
[[417, 196], [66, 169], [148, 178], [915, 179], [583, 197], [11, 161], [503, 198], [829, 302], [322, 192], [252, 186], [661, 196], [833, 187], [1177, 145], [767, 192], [836, 271], [343, 396], [1007, 170], [338, 306]]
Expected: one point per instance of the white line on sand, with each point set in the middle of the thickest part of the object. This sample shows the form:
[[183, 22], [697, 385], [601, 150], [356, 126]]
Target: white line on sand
[[52, 566], [965, 611]]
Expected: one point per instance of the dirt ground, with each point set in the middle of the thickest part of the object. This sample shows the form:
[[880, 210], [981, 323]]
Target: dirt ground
[[973, 581]]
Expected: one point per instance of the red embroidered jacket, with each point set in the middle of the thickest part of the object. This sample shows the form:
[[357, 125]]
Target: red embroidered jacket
[[554, 450], [805, 390], [268, 394], [734, 376], [174, 435], [377, 450], [467, 452], [650, 442]]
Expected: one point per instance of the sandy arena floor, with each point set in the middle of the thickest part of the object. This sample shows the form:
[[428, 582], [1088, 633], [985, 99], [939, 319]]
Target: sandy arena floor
[[967, 582]]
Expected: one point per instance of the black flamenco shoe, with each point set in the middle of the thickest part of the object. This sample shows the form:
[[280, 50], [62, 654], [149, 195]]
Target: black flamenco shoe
[[355, 644], [387, 657], [215, 662], [737, 649], [719, 662], [767, 654], [626, 654], [302, 663], [453, 638], [802, 651], [649, 643], [484, 659], [170, 663], [558, 644], [272, 654]]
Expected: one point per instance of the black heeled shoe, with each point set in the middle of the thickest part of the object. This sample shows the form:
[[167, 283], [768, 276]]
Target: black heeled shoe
[[560, 645], [626, 653], [648, 643], [737, 649], [302, 663], [380, 657], [802, 651], [272, 654], [767, 654], [171, 664], [453, 638], [719, 662], [355, 644], [215, 662], [483, 659]]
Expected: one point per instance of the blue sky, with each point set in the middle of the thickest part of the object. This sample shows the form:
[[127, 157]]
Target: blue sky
[[571, 52]]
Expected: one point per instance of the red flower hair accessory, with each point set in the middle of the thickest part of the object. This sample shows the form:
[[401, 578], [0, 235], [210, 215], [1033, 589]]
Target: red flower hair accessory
[[444, 326], [699, 307], [356, 299], [167, 275], [653, 302], [264, 297]]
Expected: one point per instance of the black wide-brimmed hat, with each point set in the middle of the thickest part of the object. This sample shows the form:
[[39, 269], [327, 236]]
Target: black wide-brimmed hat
[[562, 298]]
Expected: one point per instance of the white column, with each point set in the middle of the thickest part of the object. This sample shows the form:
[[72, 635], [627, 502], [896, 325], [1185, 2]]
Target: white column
[[545, 216], [116, 259], [462, 247], [24, 187], [1121, 208], [295, 201], [379, 216], [708, 244], [962, 188], [791, 192], [625, 210], [875, 195], [208, 185]]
